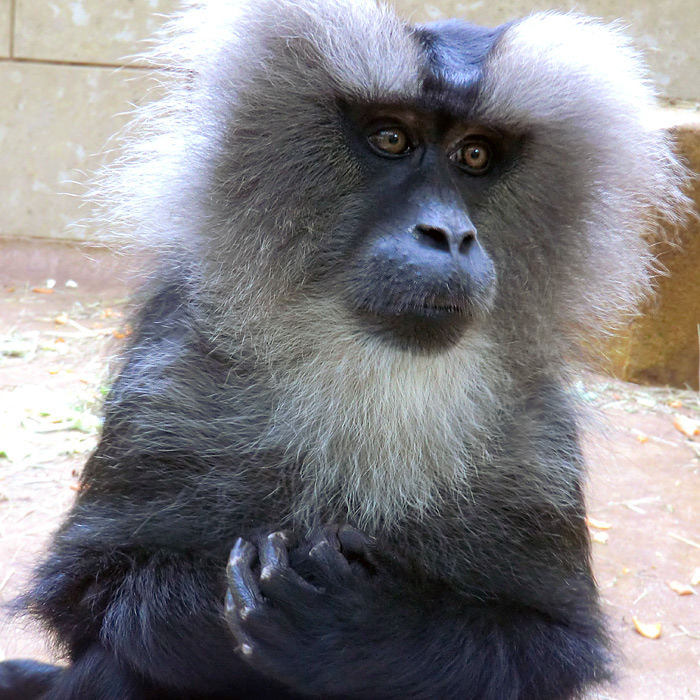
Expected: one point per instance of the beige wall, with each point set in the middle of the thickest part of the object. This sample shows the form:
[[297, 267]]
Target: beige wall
[[60, 101], [56, 120], [101, 32], [60, 94], [5, 32]]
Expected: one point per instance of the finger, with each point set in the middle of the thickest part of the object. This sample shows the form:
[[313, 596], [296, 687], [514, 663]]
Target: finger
[[244, 589], [354, 541], [278, 581]]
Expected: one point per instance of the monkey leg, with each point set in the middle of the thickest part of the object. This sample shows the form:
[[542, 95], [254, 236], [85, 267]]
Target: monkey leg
[[340, 632], [96, 675], [24, 679]]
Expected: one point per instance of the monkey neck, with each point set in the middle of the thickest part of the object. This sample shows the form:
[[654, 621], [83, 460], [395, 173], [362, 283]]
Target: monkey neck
[[380, 433]]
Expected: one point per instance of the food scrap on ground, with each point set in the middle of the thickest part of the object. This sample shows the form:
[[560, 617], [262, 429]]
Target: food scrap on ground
[[680, 588], [650, 630]]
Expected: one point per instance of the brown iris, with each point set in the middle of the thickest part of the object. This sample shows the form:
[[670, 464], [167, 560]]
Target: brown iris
[[473, 157], [392, 141]]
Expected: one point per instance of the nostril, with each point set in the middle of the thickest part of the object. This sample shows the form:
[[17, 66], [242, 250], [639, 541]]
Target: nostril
[[433, 236], [445, 240], [467, 238]]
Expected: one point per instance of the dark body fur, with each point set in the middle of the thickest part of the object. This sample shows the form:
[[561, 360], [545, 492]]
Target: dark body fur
[[508, 612], [464, 573]]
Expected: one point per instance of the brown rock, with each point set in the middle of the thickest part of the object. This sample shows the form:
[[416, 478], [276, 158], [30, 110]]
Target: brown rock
[[660, 346]]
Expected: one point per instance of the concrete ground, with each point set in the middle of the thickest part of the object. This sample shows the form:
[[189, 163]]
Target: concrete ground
[[56, 339]]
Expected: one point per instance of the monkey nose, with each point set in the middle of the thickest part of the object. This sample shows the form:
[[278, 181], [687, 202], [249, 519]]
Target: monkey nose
[[446, 239]]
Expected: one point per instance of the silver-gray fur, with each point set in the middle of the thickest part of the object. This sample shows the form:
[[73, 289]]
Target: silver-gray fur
[[431, 494], [383, 427]]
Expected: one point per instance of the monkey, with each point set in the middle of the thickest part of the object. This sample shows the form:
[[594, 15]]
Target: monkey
[[340, 458]]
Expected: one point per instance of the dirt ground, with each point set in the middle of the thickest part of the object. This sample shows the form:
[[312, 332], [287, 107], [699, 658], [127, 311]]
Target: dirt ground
[[61, 319]]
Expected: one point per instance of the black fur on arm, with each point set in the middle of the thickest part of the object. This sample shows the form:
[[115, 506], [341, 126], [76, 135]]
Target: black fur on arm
[[381, 637]]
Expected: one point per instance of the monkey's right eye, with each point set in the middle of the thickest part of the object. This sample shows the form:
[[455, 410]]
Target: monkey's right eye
[[391, 141]]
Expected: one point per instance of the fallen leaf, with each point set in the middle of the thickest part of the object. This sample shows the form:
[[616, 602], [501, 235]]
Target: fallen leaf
[[686, 425], [61, 319], [42, 290], [600, 537], [600, 524], [110, 313], [676, 404], [641, 437], [124, 333], [53, 370], [695, 577], [650, 630], [680, 588]]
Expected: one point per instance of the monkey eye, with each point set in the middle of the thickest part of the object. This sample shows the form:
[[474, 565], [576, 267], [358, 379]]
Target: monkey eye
[[391, 141], [474, 157]]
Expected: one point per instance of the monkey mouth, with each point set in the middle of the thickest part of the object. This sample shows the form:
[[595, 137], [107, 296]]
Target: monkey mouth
[[431, 308], [424, 327]]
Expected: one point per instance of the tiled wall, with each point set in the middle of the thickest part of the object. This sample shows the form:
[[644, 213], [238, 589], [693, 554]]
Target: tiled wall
[[5, 33], [61, 97], [100, 32]]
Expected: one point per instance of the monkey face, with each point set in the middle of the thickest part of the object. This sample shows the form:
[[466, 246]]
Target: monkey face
[[417, 186], [419, 273]]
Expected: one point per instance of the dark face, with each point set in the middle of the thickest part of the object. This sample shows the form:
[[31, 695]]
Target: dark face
[[419, 274]]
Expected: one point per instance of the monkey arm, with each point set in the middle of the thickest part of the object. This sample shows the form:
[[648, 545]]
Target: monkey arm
[[336, 633], [138, 624]]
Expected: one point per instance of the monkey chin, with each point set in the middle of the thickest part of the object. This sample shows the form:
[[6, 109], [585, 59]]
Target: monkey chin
[[424, 330]]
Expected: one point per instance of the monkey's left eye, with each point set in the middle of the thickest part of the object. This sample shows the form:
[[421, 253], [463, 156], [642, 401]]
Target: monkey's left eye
[[474, 157], [391, 141]]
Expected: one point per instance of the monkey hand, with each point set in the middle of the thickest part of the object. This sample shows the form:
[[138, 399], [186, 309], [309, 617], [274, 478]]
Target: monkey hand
[[297, 608]]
